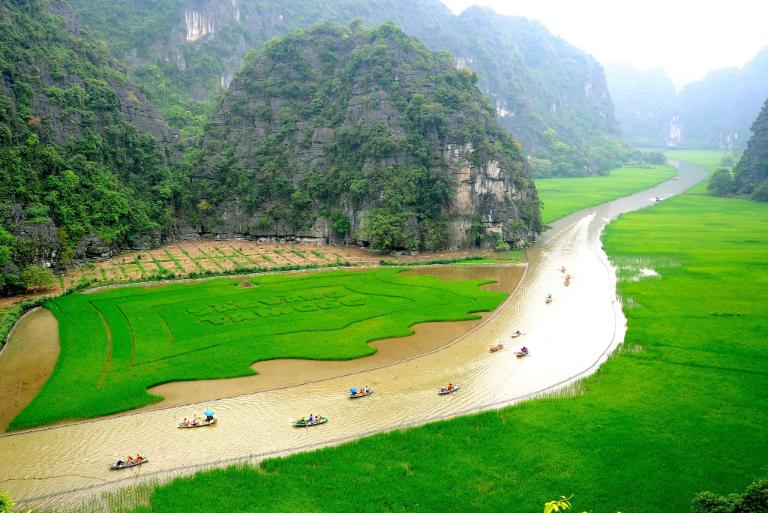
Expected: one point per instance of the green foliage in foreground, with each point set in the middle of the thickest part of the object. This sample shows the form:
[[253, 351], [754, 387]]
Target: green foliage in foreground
[[753, 500], [118, 342], [563, 196], [681, 408]]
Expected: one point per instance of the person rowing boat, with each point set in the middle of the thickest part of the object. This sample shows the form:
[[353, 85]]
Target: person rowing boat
[[522, 353], [312, 420], [449, 389], [363, 391], [129, 462]]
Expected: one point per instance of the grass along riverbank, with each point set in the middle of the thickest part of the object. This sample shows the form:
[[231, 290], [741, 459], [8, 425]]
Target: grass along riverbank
[[118, 342], [682, 407], [563, 196]]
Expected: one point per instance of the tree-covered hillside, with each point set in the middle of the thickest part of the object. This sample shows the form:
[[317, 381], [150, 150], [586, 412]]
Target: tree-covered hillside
[[549, 94], [750, 176], [81, 167], [644, 102], [363, 134]]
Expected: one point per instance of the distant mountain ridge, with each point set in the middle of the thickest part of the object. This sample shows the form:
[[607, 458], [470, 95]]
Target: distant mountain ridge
[[713, 113], [538, 82]]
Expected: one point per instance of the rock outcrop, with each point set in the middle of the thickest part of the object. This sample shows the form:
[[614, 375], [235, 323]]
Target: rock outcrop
[[364, 135], [537, 81]]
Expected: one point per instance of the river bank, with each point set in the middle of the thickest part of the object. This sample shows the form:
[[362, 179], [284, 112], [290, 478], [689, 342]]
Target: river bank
[[647, 432], [588, 326]]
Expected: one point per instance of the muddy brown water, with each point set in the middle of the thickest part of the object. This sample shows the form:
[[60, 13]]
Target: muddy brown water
[[568, 339]]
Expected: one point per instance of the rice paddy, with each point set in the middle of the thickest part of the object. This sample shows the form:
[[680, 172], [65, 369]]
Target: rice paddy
[[116, 343], [563, 196]]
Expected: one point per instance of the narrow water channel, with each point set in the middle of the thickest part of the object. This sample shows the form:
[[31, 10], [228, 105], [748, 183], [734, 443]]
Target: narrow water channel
[[568, 339]]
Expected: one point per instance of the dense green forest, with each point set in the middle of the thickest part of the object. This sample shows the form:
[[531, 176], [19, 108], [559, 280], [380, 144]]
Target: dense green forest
[[89, 165], [76, 177], [550, 95], [362, 133], [750, 176]]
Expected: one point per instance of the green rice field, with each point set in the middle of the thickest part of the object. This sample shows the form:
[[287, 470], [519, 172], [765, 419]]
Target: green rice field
[[118, 342], [681, 407], [563, 196]]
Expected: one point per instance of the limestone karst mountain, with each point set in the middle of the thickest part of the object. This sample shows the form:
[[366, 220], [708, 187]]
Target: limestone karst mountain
[[364, 134]]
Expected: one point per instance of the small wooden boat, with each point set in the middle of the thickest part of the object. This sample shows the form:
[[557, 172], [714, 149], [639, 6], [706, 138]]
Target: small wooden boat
[[548, 300], [515, 334], [305, 423], [495, 348], [123, 465], [200, 423], [446, 390], [361, 393], [562, 269], [521, 354]]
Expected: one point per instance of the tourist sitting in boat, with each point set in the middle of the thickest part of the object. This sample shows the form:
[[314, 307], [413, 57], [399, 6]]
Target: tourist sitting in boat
[[524, 350], [139, 459], [311, 419], [450, 387]]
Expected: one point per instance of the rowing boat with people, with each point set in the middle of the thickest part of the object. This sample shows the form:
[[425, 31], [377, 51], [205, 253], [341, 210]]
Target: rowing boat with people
[[120, 465], [449, 389], [316, 421], [197, 424]]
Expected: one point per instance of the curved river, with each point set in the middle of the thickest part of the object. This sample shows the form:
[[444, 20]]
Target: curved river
[[568, 340]]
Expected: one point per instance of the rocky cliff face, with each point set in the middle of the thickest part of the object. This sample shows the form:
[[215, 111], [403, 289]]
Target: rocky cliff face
[[645, 105], [82, 150], [344, 133], [537, 81]]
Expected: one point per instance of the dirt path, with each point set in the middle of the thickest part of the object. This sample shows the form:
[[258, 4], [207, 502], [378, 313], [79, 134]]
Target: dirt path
[[27, 361]]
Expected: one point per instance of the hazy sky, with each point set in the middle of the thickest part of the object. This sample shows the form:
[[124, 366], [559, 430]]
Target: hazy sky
[[686, 38]]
